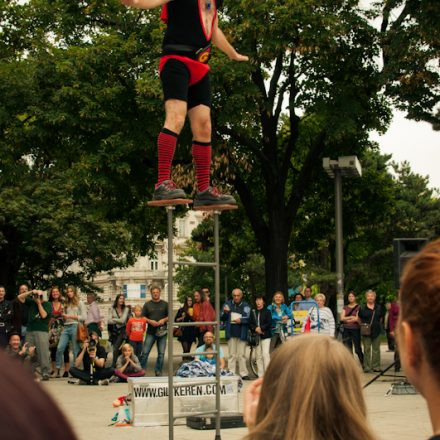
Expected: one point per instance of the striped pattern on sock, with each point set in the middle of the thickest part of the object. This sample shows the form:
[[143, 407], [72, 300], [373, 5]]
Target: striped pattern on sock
[[201, 152], [166, 146]]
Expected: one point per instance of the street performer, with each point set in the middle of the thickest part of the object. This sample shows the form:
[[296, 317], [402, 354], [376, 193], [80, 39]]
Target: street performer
[[192, 26]]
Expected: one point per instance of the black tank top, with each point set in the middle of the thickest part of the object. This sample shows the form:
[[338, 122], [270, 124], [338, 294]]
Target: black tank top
[[185, 25]]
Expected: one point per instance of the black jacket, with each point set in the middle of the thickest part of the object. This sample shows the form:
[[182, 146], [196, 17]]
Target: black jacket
[[366, 315], [265, 321]]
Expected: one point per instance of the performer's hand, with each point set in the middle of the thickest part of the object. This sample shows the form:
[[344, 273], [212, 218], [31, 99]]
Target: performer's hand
[[251, 399], [239, 57]]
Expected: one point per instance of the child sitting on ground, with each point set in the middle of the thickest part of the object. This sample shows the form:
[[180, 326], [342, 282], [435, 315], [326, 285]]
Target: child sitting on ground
[[128, 364]]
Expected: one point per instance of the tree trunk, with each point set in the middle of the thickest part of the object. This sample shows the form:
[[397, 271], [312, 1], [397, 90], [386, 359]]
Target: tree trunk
[[10, 264], [276, 254]]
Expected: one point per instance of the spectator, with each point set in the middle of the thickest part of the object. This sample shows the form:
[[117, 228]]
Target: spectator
[[297, 299], [294, 399], [135, 330], [309, 302], [93, 357], [203, 311], [128, 365], [6, 317], [55, 330], [236, 318], [207, 347], [280, 314], [186, 335], [74, 311], [25, 353], [94, 319], [260, 322], [321, 318], [27, 410], [20, 313], [393, 318], [156, 312], [386, 326], [206, 295], [371, 313], [37, 334], [118, 318], [418, 336], [352, 333]]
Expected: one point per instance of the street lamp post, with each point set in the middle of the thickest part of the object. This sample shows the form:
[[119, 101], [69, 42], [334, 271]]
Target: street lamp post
[[347, 166]]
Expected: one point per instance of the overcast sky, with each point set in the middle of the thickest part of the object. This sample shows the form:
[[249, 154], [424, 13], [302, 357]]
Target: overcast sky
[[415, 142]]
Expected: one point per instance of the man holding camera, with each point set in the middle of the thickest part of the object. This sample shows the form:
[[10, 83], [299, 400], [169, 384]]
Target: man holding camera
[[37, 334], [93, 357]]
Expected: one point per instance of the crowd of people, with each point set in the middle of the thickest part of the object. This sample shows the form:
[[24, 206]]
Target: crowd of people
[[317, 366], [52, 332]]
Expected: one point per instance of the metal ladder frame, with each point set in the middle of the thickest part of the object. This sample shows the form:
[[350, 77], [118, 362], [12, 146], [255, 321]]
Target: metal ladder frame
[[171, 324]]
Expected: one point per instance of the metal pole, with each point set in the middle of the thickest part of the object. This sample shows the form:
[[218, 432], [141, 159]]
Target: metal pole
[[339, 243], [170, 325], [217, 318]]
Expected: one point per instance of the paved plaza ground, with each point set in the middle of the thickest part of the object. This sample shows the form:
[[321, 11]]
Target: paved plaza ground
[[89, 409]]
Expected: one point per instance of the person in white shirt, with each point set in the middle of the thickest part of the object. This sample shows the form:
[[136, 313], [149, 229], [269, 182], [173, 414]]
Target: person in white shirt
[[321, 321]]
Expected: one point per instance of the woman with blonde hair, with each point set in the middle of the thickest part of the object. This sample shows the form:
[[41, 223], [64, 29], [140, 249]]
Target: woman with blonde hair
[[321, 317], [311, 391], [418, 328], [74, 311]]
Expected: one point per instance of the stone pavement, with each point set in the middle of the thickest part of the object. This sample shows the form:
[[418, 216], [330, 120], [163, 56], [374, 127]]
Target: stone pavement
[[89, 409]]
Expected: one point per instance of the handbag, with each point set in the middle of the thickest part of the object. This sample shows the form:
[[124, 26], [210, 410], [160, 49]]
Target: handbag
[[177, 332], [161, 331], [55, 330], [81, 332], [366, 326], [253, 338]]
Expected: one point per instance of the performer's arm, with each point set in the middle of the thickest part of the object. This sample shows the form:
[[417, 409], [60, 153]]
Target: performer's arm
[[219, 39], [144, 4]]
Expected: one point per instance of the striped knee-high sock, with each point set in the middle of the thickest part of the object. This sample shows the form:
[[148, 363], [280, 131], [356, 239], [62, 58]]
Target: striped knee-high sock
[[201, 152], [166, 146]]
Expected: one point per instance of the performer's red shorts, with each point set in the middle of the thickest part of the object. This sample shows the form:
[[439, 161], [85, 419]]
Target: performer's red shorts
[[185, 79]]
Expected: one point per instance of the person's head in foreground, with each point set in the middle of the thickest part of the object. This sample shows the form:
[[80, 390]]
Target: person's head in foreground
[[418, 330], [311, 390], [27, 410]]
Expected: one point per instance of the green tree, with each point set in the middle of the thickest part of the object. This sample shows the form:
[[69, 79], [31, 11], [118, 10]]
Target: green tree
[[79, 111], [321, 77]]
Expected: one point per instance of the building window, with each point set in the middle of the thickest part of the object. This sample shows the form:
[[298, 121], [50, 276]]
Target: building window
[[181, 228], [154, 264]]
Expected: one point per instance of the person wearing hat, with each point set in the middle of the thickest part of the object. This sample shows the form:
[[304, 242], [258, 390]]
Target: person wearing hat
[[92, 357]]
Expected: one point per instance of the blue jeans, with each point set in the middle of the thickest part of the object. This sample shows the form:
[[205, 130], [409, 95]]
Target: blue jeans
[[148, 345], [68, 334]]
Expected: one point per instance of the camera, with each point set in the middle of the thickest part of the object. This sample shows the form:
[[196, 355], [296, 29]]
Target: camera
[[37, 295], [91, 348]]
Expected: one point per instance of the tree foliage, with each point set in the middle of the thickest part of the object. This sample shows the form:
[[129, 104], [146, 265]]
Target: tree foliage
[[80, 109]]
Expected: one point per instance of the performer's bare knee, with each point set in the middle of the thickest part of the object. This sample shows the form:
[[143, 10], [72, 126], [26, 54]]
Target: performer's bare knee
[[201, 129], [175, 115]]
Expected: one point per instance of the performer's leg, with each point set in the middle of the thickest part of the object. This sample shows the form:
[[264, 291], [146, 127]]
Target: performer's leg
[[199, 113], [200, 119], [175, 83]]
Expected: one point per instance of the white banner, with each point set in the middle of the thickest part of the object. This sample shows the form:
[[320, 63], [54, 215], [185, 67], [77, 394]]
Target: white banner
[[149, 404]]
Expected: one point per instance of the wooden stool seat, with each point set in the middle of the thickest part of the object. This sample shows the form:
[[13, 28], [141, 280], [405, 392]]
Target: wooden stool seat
[[215, 208], [171, 202]]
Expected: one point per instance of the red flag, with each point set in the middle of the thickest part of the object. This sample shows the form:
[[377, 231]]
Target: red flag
[[307, 325]]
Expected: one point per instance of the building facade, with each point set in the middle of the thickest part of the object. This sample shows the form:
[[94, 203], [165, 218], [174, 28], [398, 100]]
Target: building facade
[[135, 281]]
